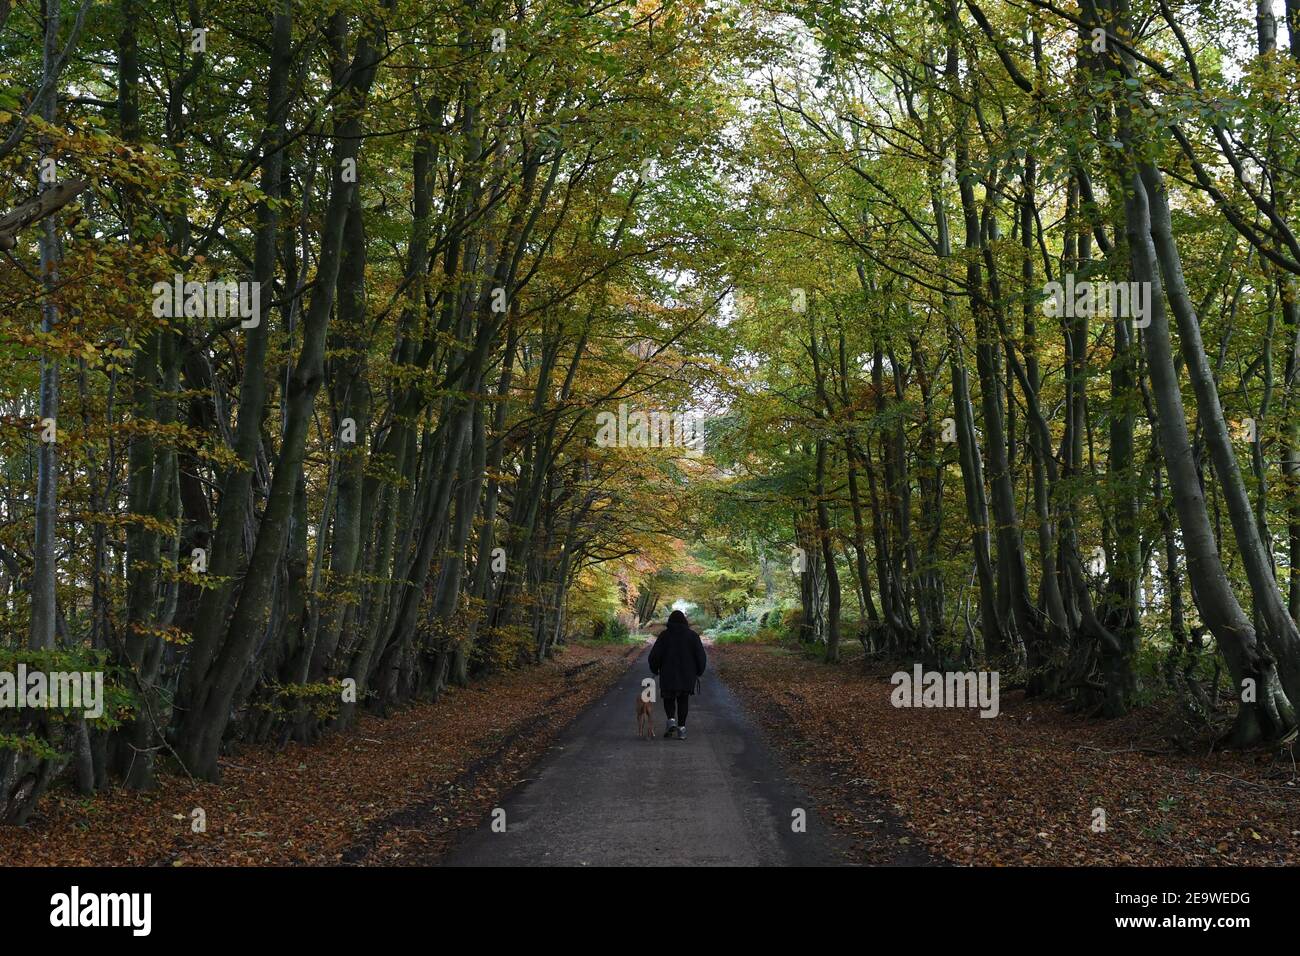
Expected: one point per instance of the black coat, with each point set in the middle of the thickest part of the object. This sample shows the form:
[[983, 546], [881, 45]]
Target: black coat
[[678, 659]]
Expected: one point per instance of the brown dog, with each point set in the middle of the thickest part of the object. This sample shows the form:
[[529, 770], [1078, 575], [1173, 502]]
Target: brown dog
[[645, 717]]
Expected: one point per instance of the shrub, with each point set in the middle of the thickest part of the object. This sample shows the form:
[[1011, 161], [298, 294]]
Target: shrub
[[613, 629], [747, 633], [791, 620]]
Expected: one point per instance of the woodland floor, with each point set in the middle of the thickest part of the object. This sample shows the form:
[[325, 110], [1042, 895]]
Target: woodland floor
[[902, 785], [1018, 789], [387, 792]]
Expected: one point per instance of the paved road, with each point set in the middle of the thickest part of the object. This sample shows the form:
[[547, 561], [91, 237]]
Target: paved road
[[603, 796]]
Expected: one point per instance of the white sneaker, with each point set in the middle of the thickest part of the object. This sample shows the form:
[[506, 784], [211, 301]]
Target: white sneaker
[[672, 727], [681, 732]]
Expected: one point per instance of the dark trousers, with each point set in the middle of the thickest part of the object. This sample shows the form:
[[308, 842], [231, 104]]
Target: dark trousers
[[676, 704]]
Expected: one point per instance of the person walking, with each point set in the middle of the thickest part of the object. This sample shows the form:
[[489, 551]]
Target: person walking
[[678, 660]]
